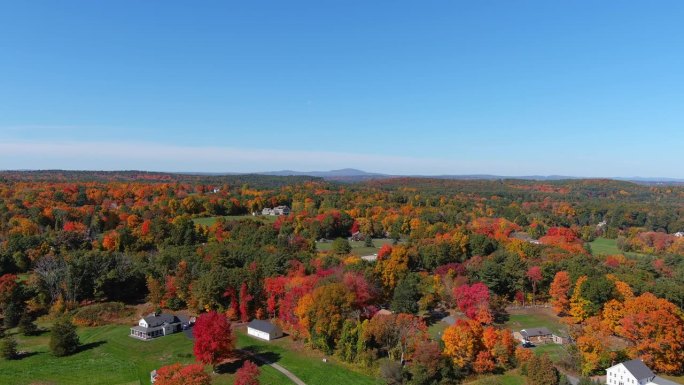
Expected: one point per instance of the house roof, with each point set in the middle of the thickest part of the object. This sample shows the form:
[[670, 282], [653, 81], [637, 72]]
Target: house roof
[[638, 369], [144, 330], [263, 326], [535, 332], [662, 381], [157, 320]]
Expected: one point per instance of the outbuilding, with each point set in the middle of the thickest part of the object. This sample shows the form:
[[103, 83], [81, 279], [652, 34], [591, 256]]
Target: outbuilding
[[264, 330]]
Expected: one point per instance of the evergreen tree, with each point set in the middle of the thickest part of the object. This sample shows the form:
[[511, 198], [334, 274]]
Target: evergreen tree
[[63, 339], [26, 325], [8, 348]]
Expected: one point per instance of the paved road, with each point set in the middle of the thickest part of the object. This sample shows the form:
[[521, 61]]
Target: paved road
[[275, 366]]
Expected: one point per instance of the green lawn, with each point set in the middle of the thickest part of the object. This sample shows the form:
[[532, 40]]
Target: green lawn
[[677, 379], [605, 246], [306, 365], [208, 221], [358, 248], [509, 378], [437, 329], [109, 357], [530, 318]]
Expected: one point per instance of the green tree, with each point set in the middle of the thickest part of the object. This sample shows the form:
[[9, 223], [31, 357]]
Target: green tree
[[63, 338], [341, 246], [8, 348], [406, 295], [26, 325]]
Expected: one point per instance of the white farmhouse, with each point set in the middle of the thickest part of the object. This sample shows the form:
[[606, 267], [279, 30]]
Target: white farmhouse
[[633, 372], [264, 330]]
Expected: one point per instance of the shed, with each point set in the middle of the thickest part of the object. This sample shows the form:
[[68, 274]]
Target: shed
[[264, 330]]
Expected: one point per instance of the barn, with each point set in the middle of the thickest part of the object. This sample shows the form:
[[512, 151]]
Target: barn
[[264, 330]]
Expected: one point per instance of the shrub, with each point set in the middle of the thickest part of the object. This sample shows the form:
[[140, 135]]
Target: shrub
[[63, 339], [8, 348], [99, 314], [26, 325]]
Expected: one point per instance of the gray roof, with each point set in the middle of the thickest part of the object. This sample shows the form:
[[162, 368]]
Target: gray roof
[[263, 326], [662, 381], [535, 332], [144, 330], [638, 369], [157, 320]]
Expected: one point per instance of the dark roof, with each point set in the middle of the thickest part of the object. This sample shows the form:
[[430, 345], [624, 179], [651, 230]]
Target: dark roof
[[535, 332], [157, 320], [263, 326], [638, 369]]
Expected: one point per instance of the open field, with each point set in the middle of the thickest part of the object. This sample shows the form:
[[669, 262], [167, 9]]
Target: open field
[[305, 364], [509, 378], [358, 248], [110, 357], [605, 246], [208, 221], [534, 317]]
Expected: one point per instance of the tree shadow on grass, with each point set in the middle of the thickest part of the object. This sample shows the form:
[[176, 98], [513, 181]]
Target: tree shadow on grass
[[231, 366], [91, 345], [22, 355]]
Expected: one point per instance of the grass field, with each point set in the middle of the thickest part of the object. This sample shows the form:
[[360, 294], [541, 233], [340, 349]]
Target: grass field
[[358, 248], [605, 246], [208, 221], [111, 357], [509, 378], [307, 365], [533, 317]]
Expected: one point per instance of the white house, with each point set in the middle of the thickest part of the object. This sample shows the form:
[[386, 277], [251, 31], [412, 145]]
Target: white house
[[157, 325], [279, 210], [633, 372], [264, 330]]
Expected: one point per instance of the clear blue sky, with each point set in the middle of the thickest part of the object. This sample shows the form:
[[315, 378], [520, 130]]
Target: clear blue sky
[[584, 88]]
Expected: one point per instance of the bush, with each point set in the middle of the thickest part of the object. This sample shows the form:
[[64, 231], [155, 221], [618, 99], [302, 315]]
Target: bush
[[26, 325], [63, 339], [8, 348], [99, 314]]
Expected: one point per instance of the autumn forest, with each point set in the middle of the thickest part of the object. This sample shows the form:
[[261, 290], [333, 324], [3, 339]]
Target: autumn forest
[[358, 272]]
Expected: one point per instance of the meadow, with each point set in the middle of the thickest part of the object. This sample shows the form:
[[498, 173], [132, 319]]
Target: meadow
[[110, 357]]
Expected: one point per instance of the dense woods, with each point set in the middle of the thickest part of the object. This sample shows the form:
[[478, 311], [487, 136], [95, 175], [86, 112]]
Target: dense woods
[[71, 239]]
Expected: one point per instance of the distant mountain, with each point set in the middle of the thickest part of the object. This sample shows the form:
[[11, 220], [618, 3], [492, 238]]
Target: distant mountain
[[345, 174]]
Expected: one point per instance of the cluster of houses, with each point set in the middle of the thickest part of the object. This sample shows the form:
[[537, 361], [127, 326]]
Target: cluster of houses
[[278, 210], [633, 372]]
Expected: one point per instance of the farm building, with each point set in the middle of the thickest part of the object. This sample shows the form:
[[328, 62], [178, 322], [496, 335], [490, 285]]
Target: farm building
[[540, 336], [264, 330]]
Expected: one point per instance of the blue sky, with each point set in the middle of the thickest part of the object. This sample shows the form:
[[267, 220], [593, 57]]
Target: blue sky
[[581, 88]]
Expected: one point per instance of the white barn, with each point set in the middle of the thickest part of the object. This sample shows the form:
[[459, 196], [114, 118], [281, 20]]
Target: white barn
[[264, 330], [633, 372]]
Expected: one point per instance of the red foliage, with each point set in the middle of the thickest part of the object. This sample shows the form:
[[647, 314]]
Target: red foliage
[[385, 251], [213, 338], [248, 374], [473, 301], [177, 374], [245, 299]]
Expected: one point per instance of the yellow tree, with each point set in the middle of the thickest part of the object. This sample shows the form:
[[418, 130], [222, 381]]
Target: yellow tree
[[462, 342], [578, 304]]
